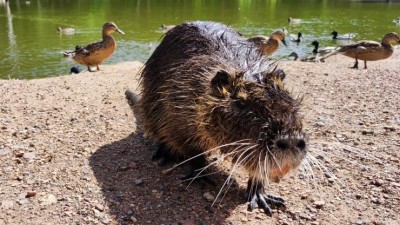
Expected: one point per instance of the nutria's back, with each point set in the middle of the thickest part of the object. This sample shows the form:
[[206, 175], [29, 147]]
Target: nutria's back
[[205, 86]]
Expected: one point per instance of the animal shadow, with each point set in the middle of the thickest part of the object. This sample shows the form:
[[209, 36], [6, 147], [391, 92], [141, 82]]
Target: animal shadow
[[137, 191]]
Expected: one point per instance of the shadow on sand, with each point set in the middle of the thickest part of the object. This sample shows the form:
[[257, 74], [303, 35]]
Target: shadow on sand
[[135, 188]]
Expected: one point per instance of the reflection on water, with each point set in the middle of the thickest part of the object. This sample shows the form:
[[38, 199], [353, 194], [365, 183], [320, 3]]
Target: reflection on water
[[12, 50], [31, 45]]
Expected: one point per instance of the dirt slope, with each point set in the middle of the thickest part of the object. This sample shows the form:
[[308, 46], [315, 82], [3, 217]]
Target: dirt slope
[[70, 143]]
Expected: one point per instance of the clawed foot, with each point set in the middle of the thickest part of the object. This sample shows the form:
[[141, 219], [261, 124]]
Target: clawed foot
[[256, 196]]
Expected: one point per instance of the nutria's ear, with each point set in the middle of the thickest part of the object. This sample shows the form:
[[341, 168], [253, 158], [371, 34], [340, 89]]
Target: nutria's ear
[[220, 84]]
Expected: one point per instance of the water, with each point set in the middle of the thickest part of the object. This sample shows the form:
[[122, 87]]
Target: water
[[30, 45]]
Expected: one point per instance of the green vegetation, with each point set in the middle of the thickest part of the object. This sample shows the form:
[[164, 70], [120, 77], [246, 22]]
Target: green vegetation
[[30, 44]]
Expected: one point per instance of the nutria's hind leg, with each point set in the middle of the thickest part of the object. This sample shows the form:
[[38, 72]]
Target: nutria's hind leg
[[255, 194], [198, 171], [163, 155]]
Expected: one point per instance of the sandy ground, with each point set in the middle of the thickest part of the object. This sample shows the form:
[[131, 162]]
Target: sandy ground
[[70, 154]]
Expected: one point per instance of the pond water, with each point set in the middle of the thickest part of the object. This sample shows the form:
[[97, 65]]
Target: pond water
[[30, 45]]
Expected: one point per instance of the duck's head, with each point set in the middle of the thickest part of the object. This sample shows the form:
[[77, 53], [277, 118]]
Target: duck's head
[[111, 27], [316, 45], [279, 36], [289, 19], [294, 55], [299, 35], [391, 38], [335, 34]]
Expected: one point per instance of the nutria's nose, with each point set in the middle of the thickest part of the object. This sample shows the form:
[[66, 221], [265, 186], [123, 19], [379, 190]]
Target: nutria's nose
[[301, 144]]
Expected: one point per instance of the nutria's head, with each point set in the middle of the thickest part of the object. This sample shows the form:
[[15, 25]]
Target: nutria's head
[[111, 27], [262, 122]]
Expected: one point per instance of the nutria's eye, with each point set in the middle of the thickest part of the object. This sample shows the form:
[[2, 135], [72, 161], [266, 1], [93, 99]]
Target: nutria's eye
[[301, 144], [282, 144]]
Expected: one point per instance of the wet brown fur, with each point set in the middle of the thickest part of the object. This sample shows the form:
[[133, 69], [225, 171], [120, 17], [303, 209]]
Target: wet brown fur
[[206, 86]]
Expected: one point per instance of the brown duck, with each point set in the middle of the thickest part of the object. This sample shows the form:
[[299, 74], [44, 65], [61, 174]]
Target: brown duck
[[95, 53], [267, 46], [368, 50]]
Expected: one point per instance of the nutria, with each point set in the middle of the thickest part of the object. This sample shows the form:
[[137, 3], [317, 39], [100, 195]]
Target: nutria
[[207, 88]]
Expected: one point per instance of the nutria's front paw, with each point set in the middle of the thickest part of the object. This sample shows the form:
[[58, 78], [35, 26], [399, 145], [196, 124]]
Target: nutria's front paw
[[256, 196]]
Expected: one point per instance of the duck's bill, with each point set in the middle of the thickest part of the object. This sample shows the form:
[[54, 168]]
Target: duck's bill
[[120, 31], [284, 42]]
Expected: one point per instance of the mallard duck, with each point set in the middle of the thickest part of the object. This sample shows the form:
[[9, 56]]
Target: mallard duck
[[294, 20], [66, 30], [69, 53], [95, 53], [368, 50], [166, 28], [294, 55], [296, 38], [317, 49], [347, 36], [397, 21], [267, 46], [312, 58]]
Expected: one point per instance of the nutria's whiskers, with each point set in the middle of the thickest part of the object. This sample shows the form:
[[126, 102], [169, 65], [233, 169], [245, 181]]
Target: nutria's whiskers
[[208, 151], [222, 157], [233, 168]]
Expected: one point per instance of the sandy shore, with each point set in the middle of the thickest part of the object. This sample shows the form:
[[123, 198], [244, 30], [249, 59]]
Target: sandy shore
[[69, 143]]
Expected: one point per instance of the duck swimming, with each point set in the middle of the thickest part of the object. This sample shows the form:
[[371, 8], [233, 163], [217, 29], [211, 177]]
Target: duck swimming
[[347, 36], [166, 28], [294, 20], [95, 53], [267, 46], [296, 38], [67, 30], [368, 50], [317, 49], [397, 21]]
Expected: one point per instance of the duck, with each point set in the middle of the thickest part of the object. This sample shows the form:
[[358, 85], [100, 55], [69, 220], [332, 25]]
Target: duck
[[296, 38], [294, 20], [312, 58], [294, 55], [317, 49], [397, 21], [368, 50], [67, 30], [95, 53], [166, 28], [68, 53], [347, 36], [266, 45]]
